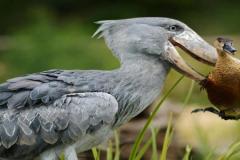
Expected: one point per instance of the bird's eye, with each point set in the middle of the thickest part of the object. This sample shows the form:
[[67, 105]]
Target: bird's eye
[[173, 28]]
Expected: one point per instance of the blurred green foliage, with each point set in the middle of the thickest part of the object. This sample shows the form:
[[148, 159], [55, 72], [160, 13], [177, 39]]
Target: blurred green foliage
[[205, 16], [45, 45]]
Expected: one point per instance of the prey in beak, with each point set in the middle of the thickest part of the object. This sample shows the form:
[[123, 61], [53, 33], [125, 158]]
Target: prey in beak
[[224, 45], [194, 45], [222, 83]]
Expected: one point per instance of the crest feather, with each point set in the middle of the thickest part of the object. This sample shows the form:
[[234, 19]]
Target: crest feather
[[104, 25]]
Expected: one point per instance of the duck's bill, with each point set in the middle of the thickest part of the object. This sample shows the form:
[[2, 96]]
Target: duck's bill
[[193, 44], [229, 48]]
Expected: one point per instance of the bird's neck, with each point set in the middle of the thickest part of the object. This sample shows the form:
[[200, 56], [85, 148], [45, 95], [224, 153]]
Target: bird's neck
[[141, 83], [225, 60], [226, 69]]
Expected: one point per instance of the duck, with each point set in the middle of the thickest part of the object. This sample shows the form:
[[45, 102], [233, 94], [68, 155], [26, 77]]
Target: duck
[[223, 83]]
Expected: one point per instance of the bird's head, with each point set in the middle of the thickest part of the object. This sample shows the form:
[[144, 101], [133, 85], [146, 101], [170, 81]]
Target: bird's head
[[157, 36], [224, 45]]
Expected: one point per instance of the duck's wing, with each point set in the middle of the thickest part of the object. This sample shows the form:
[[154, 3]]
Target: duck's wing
[[68, 119]]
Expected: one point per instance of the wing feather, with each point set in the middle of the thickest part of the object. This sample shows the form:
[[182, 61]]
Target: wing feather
[[18, 100], [65, 121], [39, 88]]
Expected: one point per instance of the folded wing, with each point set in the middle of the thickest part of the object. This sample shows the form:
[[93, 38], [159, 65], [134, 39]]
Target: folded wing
[[66, 120]]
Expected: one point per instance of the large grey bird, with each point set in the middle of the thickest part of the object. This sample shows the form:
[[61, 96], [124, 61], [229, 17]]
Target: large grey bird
[[68, 111]]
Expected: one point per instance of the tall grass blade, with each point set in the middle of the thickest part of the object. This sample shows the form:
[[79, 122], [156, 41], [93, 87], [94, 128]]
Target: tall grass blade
[[109, 151], [117, 148], [143, 131], [95, 153], [167, 139], [202, 138], [233, 150], [150, 141], [144, 149], [154, 143], [209, 155], [61, 157], [187, 153], [189, 93]]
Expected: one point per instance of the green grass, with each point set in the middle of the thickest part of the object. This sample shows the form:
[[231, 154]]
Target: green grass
[[117, 146], [96, 153], [232, 151], [189, 93], [187, 153], [154, 132], [109, 151], [167, 140], [149, 120], [144, 148]]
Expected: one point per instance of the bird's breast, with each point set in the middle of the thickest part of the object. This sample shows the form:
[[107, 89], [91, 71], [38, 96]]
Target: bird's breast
[[220, 95]]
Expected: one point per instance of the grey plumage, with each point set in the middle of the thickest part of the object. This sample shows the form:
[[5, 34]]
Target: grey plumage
[[61, 122], [55, 109]]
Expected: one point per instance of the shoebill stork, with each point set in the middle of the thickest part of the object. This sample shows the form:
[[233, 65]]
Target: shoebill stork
[[69, 111]]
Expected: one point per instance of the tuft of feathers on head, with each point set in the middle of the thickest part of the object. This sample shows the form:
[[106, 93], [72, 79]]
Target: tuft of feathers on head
[[104, 25], [224, 40]]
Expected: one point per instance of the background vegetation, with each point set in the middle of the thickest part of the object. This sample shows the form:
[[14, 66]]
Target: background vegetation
[[41, 35]]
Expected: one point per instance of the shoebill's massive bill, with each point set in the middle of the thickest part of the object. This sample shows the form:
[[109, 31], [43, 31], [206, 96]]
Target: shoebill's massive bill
[[69, 111]]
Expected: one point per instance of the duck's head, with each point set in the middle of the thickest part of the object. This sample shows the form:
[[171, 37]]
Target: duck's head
[[224, 45]]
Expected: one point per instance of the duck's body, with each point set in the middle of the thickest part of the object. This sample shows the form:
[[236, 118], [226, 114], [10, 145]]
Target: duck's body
[[223, 85]]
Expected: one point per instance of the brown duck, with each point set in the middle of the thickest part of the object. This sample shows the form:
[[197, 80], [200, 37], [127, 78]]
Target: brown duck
[[223, 83]]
